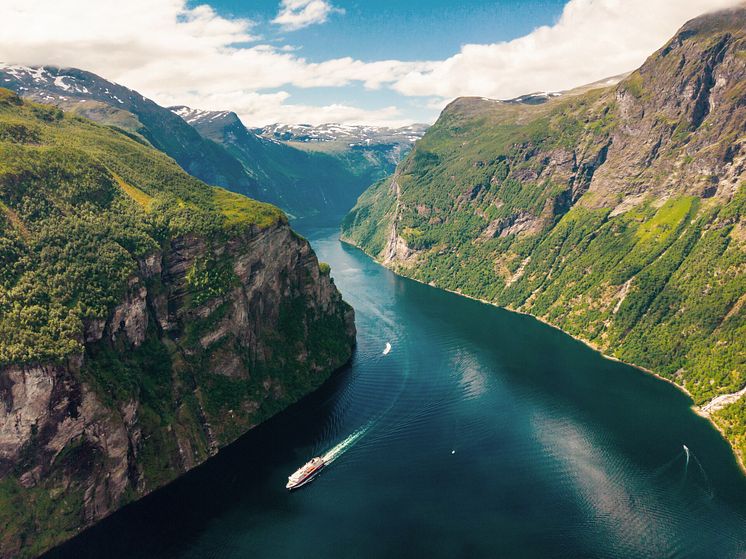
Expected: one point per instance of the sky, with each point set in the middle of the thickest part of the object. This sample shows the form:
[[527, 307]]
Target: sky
[[378, 62]]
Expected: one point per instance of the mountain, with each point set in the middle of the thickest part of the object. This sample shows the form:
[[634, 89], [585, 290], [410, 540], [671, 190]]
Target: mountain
[[336, 136], [304, 183], [213, 146], [93, 97], [617, 213], [146, 320], [381, 146]]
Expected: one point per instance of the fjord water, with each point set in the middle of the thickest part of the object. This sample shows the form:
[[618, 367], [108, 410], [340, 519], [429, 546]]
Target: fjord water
[[482, 433]]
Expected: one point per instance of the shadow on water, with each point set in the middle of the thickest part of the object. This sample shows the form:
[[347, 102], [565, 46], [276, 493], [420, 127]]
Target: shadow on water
[[162, 523]]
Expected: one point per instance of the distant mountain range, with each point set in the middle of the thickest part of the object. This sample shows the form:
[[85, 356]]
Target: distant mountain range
[[217, 148], [93, 97], [346, 134]]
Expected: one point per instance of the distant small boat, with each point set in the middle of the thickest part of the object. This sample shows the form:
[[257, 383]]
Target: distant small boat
[[305, 473], [387, 349]]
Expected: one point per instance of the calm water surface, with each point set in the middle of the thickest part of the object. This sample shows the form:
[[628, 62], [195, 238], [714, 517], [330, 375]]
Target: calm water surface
[[481, 434]]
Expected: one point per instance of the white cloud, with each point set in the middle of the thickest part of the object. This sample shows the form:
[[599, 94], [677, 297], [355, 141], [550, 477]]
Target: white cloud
[[593, 39], [297, 14], [259, 109], [180, 55], [115, 37]]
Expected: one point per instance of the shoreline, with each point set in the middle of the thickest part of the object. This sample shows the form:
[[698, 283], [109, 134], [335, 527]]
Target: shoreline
[[698, 410]]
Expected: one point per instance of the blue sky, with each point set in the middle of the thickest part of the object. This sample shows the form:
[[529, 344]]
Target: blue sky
[[405, 30], [381, 62]]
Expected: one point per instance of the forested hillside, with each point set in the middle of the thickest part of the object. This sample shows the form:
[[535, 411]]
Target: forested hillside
[[213, 146]]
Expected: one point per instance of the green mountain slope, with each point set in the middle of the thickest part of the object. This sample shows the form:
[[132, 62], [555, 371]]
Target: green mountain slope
[[616, 213], [146, 320], [91, 96]]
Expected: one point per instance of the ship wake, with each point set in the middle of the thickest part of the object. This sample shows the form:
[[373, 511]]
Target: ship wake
[[339, 449]]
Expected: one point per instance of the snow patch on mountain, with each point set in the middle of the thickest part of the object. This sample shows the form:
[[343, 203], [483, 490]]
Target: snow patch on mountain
[[49, 84], [352, 135], [194, 116]]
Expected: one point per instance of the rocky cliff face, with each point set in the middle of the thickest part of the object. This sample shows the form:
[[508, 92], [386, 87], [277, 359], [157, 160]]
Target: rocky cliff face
[[613, 212], [76, 444], [679, 118]]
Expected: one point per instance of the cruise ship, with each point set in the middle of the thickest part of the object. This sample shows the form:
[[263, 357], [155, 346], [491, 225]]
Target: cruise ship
[[305, 473]]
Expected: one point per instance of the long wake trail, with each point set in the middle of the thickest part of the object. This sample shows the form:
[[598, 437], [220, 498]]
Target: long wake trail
[[384, 321], [336, 451]]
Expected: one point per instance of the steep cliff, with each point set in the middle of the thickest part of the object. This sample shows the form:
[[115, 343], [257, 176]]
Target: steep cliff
[[614, 212], [146, 320]]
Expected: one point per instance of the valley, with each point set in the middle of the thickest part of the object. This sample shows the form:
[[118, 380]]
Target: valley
[[500, 435], [147, 320]]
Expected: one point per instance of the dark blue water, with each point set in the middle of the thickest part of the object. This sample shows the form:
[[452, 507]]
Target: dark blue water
[[481, 434]]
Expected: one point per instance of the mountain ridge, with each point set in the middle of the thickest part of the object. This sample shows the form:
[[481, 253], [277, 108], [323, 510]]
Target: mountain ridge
[[222, 152], [89, 95], [353, 135]]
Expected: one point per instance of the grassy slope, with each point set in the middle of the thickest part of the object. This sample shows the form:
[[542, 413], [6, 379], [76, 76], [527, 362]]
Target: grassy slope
[[661, 285]]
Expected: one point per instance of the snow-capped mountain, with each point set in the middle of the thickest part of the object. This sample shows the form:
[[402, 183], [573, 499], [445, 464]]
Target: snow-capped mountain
[[216, 147], [198, 116], [49, 84], [91, 96], [351, 135]]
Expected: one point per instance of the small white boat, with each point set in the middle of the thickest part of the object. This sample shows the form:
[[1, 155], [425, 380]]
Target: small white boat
[[387, 349]]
